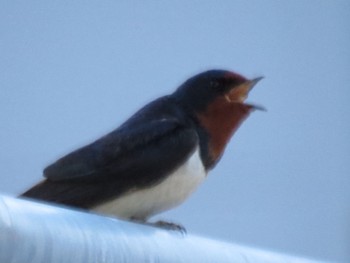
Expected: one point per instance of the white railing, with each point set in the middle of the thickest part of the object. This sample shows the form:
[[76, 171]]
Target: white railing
[[32, 232]]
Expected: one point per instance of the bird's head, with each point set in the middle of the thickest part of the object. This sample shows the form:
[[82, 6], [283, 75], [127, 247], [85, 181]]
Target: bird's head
[[215, 99], [205, 88]]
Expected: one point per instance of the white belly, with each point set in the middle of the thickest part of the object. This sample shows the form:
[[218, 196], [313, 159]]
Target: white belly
[[141, 204]]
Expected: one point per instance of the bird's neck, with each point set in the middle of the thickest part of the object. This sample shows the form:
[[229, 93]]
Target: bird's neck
[[221, 120]]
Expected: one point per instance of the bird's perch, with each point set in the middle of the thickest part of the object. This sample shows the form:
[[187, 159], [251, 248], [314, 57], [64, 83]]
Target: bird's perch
[[34, 232]]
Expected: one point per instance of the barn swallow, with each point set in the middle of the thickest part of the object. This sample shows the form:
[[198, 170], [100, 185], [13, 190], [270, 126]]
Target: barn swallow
[[158, 157]]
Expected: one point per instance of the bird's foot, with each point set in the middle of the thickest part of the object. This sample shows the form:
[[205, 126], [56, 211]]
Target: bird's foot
[[162, 224], [170, 226]]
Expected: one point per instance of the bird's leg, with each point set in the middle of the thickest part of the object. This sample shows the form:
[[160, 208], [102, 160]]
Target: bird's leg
[[170, 226], [161, 224]]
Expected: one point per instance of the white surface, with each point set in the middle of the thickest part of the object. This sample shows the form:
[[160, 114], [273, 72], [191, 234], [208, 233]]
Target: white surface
[[32, 232]]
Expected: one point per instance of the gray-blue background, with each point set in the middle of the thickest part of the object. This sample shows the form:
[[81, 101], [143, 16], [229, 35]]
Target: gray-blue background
[[71, 71]]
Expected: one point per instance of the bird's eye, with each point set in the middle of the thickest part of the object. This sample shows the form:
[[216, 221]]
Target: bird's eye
[[214, 84]]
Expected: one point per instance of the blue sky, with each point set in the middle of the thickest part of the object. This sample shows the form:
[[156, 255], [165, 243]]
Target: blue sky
[[73, 71]]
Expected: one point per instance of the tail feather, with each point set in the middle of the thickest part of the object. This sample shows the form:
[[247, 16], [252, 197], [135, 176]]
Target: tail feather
[[61, 193]]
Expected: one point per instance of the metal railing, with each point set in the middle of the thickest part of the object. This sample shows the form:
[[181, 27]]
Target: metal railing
[[32, 232]]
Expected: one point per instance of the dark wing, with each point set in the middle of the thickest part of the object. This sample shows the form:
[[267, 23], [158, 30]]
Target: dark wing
[[131, 157]]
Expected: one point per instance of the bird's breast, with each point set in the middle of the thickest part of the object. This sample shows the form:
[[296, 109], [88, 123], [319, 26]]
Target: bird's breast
[[221, 120], [170, 192]]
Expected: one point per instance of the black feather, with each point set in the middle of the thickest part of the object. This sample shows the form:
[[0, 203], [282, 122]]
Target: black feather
[[140, 153]]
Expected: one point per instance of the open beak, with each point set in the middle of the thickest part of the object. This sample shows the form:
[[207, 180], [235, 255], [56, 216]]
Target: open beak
[[240, 93]]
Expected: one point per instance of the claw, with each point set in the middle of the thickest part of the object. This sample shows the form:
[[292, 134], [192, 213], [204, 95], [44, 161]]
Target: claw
[[161, 224], [170, 226]]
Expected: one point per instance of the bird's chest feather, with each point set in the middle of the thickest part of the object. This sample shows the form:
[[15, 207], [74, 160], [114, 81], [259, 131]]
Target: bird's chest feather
[[221, 120], [143, 203]]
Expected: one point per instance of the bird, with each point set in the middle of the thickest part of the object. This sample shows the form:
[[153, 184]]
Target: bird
[[158, 157]]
